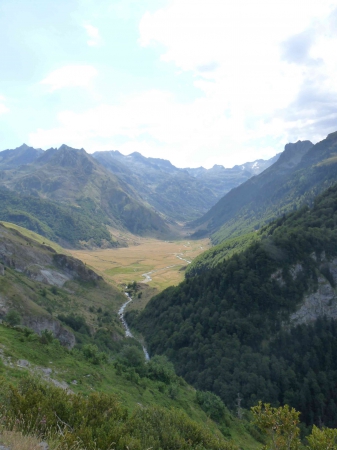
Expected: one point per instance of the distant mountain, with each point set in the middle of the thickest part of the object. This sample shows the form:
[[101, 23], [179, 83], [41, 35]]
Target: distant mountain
[[179, 194], [133, 192], [302, 171], [85, 191], [10, 159], [221, 180]]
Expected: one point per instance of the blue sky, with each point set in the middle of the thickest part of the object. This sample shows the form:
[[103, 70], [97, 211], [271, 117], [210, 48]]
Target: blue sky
[[196, 82]]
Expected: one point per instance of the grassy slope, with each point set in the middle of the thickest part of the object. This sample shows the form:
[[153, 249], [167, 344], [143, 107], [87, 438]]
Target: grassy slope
[[33, 298], [215, 255], [84, 299], [69, 366], [62, 223], [36, 237]]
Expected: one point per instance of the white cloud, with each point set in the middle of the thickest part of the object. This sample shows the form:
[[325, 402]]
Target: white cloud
[[155, 124], [3, 107], [70, 76], [266, 74], [235, 50], [93, 35]]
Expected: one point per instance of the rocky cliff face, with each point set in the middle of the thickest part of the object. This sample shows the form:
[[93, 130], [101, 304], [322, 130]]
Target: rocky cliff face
[[39, 324], [320, 302], [40, 262], [323, 302], [75, 268]]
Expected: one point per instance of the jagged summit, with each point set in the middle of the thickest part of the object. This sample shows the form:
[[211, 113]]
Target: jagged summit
[[21, 155], [293, 153], [302, 171]]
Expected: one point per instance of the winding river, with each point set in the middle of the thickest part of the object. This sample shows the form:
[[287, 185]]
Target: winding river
[[126, 326]]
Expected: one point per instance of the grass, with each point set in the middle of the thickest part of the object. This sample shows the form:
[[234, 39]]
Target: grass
[[16, 440], [36, 237], [120, 266], [70, 365], [328, 161]]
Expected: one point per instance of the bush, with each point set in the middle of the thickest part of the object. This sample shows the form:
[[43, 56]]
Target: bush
[[46, 337], [161, 369], [77, 323], [132, 356], [211, 404], [93, 355], [100, 421], [13, 318]]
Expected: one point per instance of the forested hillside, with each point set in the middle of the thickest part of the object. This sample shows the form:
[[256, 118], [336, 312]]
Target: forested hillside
[[231, 329], [302, 171]]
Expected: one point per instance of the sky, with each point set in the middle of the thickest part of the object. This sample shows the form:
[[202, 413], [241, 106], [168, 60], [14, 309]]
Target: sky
[[198, 82]]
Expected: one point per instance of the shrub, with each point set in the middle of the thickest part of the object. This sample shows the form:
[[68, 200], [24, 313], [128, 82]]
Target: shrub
[[13, 318], [211, 404], [46, 337], [161, 369], [93, 355], [77, 323], [100, 421]]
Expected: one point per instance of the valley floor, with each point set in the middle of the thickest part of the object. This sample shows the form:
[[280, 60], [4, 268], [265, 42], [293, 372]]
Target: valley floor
[[152, 263]]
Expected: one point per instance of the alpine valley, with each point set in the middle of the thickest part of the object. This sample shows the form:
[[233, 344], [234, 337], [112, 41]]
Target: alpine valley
[[251, 319]]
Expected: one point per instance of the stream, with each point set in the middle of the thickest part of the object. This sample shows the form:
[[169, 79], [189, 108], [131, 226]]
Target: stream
[[147, 275], [129, 299], [126, 326]]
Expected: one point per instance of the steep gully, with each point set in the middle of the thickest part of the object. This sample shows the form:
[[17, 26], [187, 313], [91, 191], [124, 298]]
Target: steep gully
[[129, 299]]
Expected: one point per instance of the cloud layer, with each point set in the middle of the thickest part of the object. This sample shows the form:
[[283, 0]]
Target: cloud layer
[[70, 76], [259, 73]]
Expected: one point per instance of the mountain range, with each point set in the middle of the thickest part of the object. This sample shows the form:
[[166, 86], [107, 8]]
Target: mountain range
[[72, 197], [64, 191], [179, 194], [302, 171], [254, 319]]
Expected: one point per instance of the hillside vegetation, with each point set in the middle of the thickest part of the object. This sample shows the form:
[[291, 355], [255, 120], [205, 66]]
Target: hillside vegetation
[[230, 329], [154, 405], [105, 390], [61, 223], [44, 285]]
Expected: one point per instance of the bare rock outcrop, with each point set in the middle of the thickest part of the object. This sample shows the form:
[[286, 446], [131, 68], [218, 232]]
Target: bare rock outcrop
[[322, 302], [36, 260], [39, 324], [75, 268]]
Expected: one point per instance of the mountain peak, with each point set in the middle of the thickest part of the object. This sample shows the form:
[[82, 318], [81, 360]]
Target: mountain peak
[[293, 153], [23, 147]]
